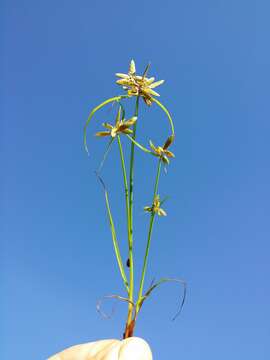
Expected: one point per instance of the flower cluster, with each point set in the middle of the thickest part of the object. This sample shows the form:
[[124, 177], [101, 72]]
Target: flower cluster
[[155, 208], [120, 127], [139, 85], [162, 151]]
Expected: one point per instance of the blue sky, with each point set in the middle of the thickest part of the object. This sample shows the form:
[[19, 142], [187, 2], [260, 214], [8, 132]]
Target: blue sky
[[58, 61]]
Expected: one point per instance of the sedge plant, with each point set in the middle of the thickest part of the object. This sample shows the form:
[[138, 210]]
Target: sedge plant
[[138, 88]]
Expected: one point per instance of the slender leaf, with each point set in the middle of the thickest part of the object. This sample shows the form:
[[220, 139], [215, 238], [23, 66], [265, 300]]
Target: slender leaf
[[107, 151], [114, 237], [166, 112], [157, 284], [139, 145], [118, 297]]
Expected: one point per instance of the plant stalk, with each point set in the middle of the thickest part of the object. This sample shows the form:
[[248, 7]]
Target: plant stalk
[[125, 185], [130, 322], [148, 241]]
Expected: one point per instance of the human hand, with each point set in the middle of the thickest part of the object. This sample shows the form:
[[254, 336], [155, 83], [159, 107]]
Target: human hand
[[132, 348]]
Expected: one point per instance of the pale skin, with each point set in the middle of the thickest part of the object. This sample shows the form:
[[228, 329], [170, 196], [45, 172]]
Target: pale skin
[[129, 349]]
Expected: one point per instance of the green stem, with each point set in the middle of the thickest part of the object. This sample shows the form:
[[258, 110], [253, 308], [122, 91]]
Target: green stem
[[125, 184], [148, 240], [130, 240]]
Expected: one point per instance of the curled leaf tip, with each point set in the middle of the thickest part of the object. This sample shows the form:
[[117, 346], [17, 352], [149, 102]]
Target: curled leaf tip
[[86, 149], [108, 297], [162, 281]]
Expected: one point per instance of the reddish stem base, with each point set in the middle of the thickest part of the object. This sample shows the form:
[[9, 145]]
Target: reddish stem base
[[129, 330]]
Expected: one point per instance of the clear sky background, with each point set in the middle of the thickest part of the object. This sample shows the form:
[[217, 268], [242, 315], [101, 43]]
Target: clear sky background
[[58, 60]]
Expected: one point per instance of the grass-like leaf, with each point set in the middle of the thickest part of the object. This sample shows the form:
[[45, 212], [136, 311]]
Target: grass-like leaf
[[118, 297], [166, 112], [114, 237], [139, 145], [106, 153], [160, 282]]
